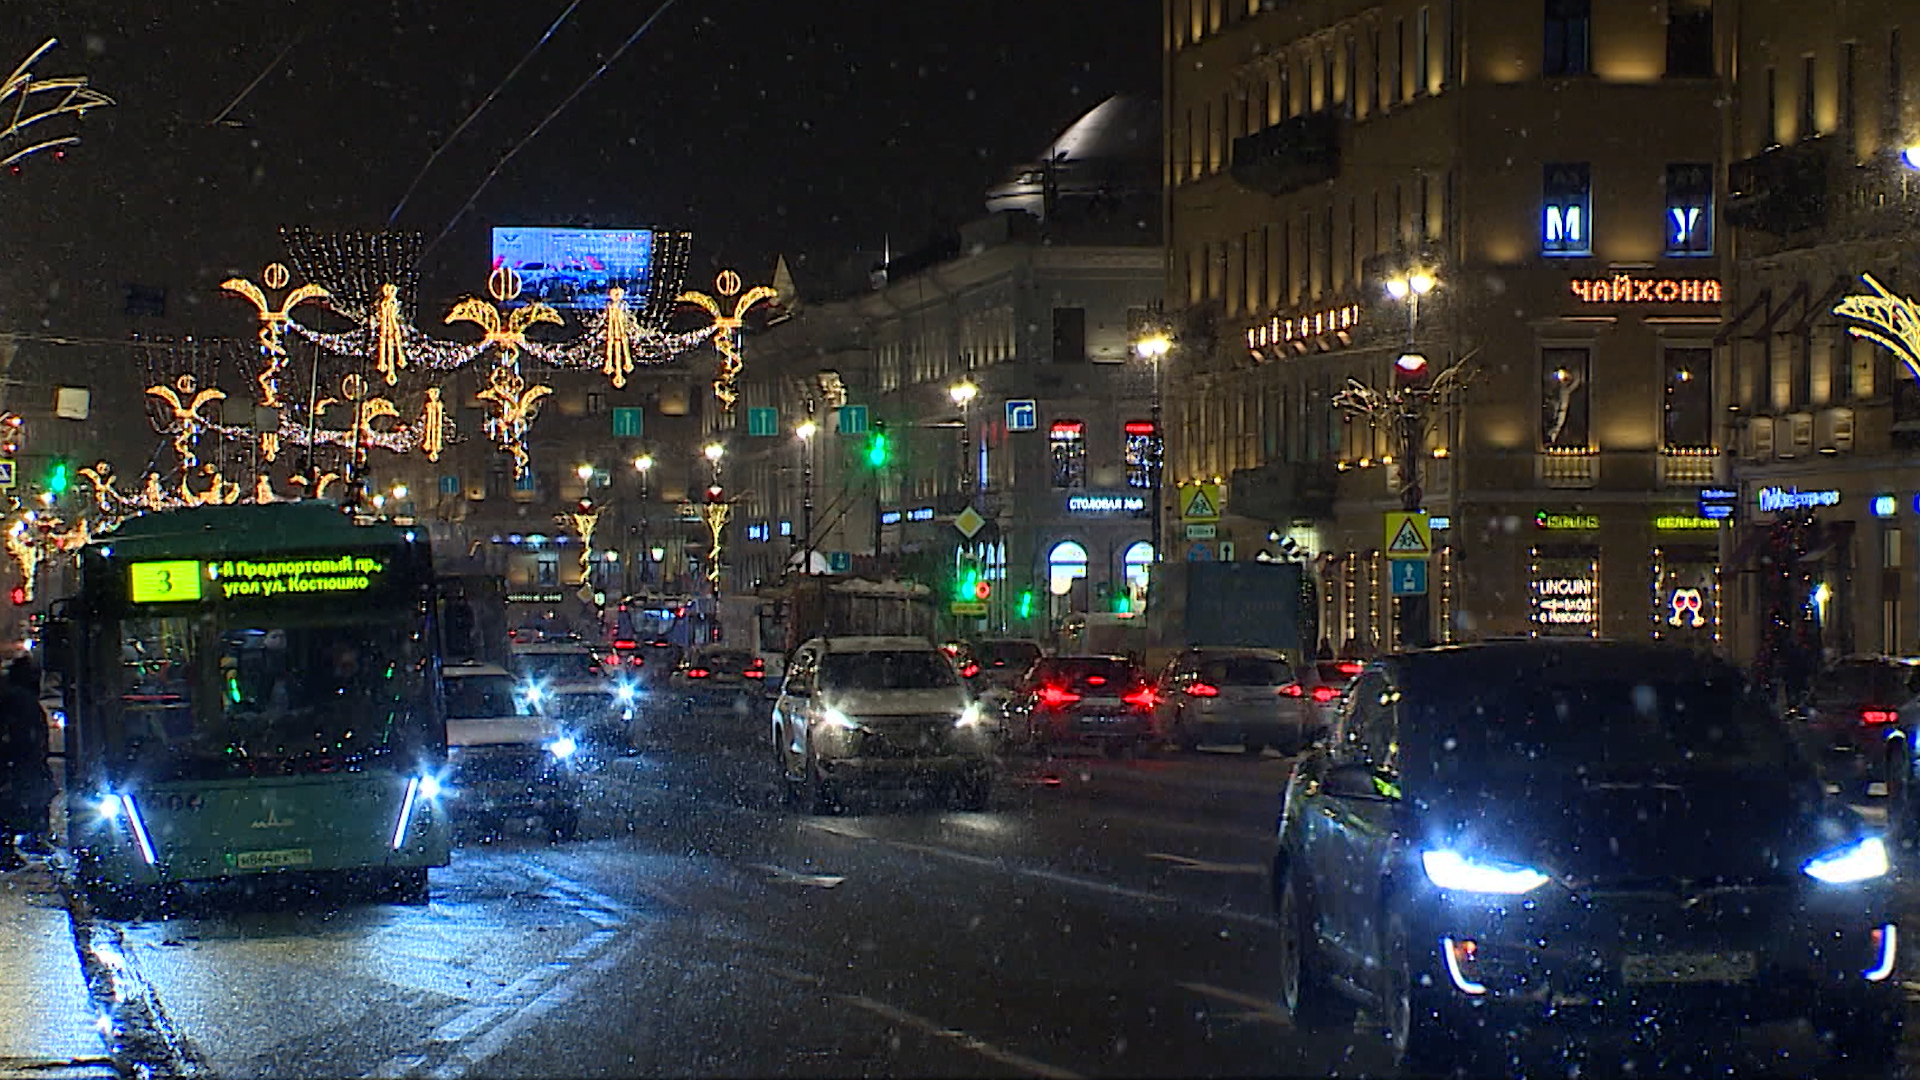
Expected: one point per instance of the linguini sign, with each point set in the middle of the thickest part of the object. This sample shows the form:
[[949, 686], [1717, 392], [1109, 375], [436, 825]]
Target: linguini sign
[[1627, 289]]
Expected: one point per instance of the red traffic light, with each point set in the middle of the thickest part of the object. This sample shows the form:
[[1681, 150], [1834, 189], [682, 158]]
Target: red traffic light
[[18, 595]]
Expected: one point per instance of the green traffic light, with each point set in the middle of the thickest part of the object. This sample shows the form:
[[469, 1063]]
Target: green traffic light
[[877, 450], [1025, 606], [57, 479]]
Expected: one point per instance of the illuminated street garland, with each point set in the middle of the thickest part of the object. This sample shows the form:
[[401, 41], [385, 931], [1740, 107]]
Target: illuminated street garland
[[726, 328], [1892, 321]]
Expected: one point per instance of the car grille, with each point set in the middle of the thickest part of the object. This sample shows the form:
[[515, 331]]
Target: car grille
[[905, 737], [499, 764]]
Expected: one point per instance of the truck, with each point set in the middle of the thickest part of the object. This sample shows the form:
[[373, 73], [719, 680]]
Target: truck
[[1268, 605], [818, 606]]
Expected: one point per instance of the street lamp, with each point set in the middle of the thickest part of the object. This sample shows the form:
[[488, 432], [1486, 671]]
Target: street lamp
[[963, 394], [399, 492], [643, 464], [714, 452], [806, 431], [1153, 349], [1911, 156], [584, 472]]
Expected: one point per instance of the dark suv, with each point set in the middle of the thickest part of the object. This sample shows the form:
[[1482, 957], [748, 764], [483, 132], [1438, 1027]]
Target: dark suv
[[1514, 837]]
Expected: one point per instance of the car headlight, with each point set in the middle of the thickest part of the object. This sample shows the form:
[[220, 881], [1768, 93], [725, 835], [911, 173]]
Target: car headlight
[[626, 693], [563, 747], [1862, 860], [971, 717], [836, 718], [532, 693], [1451, 870]]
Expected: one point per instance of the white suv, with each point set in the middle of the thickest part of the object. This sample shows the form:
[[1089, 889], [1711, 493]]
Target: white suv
[[882, 711]]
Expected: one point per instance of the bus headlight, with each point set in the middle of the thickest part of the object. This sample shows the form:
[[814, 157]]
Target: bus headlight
[[108, 807], [563, 747], [429, 787]]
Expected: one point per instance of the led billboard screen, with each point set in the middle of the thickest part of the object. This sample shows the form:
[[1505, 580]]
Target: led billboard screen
[[575, 268]]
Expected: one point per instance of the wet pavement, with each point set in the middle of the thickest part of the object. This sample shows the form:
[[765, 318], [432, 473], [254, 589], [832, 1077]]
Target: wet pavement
[[1101, 918]]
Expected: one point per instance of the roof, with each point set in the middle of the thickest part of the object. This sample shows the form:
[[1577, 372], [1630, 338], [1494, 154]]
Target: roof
[[466, 670], [220, 531], [878, 644]]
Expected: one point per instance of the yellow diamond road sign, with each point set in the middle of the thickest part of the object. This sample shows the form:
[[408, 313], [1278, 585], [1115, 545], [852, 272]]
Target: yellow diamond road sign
[[1407, 535], [969, 522], [1200, 502]]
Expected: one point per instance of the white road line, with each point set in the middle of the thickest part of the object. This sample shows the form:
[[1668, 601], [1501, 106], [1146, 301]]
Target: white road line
[[487, 1046], [468, 1022], [975, 1044], [1257, 1008], [784, 876], [1204, 866]]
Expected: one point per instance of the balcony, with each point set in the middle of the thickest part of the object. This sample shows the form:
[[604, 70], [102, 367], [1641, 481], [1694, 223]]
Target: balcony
[[1687, 466], [1567, 468], [1781, 190], [1290, 155]]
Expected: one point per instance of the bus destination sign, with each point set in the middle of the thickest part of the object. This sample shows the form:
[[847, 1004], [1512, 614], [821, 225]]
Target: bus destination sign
[[182, 580]]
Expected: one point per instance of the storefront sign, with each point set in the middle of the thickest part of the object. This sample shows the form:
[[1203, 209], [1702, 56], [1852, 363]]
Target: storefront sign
[[1685, 605], [1105, 504], [1675, 522], [1565, 601], [1439, 523], [925, 513], [1565, 522], [1777, 498], [890, 517], [1718, 503], [1627, 289], [1312, 325], [540, 596]]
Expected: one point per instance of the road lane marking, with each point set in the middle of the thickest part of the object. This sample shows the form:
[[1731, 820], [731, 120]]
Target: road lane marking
[[970, 1042], [783, 876], [1203, 866], [1257, 1008], [489, 1045]]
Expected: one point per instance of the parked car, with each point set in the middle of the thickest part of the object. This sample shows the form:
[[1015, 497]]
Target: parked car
[[878, 711], [1543, 836], [1859, 723], [1103, 701], [506, 759], [1251, 698]]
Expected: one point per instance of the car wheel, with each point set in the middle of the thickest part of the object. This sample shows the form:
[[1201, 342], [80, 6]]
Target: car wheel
[[1417, 1035], [816, 796], [973, 791], [564, 826], [1863, 1041], [1310, 999]]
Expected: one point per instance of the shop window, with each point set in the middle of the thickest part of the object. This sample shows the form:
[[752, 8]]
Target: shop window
[[1567, 224], [1565, 592], [1066, 563], [1690, 38], [1689, 210], [1569, 44], [1564, 374], [1140, 452], [1067, 440], [1890, 548], [1689, 397], [1137, 563]]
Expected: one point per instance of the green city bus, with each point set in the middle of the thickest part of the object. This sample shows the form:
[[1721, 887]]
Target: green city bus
[[252, 689]]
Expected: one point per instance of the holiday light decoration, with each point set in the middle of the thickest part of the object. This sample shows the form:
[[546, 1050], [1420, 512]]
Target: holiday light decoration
[[433, 425], [583, 523], [26, 101], [1892, 321], [508, 335], [726, 328], [186, 399], [389, 353], [273, 320], [24, 547], [13, 428], [717, 515], [619, 345], [515, 403]]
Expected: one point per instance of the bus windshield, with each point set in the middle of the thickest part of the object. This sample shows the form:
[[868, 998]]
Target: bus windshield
[[199, 696]]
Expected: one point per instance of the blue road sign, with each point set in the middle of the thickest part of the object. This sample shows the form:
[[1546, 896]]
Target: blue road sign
[[763, 422], [1409, 577], [627, 423], [839, 561], [853, 419], [1023, 414], [449, 485], [1199, 553]]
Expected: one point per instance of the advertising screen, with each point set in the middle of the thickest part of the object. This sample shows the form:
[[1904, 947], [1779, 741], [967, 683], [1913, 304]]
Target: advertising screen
[[575, 268]]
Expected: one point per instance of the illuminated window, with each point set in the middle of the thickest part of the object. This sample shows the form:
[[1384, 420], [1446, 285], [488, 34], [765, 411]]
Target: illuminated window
[[1066, 563], [1067, 440], [1569, 46], [1689, 210], [1564, 373], [1567, 225], [1140, 453], [1689, 397]]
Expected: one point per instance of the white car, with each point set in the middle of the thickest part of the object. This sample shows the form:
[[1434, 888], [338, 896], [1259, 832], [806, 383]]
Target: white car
[[879, 711], [506, 759]]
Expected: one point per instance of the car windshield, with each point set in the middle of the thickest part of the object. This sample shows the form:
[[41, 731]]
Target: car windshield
[[1883, 684], [483, 697], [1246, 671], [556, 666], [1601, 727], [903, 669], [576, 705]]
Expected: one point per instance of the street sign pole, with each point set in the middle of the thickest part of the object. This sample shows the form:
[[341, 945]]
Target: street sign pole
[[1416, 617]]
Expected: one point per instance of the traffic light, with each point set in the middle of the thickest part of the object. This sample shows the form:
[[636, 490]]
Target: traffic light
[[18, 595], [967, 584], [59, 476], [878, 451], [1024, 607], [983, 590], [1411, 370]]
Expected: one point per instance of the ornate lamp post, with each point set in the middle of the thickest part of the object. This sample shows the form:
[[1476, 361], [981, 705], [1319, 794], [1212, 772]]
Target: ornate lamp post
[[963, 394], [1154, 348], [806, 431]]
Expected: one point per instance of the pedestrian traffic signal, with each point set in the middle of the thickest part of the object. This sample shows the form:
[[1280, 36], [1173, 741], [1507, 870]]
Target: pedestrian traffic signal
[[983, 590], [18, 595], [968, 586]]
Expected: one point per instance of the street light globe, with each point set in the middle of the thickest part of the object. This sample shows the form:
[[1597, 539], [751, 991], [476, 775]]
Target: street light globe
[[1397, 288], [379, 501], [1153, 348], [584, 472], [1911, 156], [399, 491], [714, 452], [962, 393], [806, 430], [643, 463], [1421, 282], [659, 553]]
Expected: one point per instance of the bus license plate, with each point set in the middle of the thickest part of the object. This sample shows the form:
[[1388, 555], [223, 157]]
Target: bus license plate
[[266, 860], [1729, 967]]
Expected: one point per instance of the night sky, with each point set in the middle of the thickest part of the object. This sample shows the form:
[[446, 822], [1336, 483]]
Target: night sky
[[813, 129]]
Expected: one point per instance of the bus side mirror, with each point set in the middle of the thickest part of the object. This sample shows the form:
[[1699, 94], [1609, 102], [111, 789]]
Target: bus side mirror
[[56, 647]]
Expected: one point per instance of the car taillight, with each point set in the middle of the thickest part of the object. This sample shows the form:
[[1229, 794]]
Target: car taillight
[[757, 669], [1879, 716], [970, 671], [1349, 667], [1056, 697], [1096, 680], [1143, 698], [1201, 689], [698, 673], [1324, 694], [624, 644], [1293, 689]]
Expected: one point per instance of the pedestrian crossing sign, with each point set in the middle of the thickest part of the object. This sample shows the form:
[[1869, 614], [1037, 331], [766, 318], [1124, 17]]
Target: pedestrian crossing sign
[[1407, 535], [1200, 502]]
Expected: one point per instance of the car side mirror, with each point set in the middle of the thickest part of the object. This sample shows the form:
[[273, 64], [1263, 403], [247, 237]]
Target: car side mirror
[[1358, 782]]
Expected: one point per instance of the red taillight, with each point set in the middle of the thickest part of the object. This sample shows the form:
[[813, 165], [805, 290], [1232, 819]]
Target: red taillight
[[1879, 716], [1324, 694], [1143, 698], [1293, 689], [1201, 689], [698, 673], [970, 671], [1349, 667], [1096, 680], [1057, 697], [754, 673], [625, 644]]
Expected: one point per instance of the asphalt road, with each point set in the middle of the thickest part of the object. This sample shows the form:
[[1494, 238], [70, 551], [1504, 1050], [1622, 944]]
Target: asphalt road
[[1102, 918]]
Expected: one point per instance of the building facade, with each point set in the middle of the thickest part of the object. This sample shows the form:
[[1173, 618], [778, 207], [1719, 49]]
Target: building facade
[[1548, 172], [1824, 424]]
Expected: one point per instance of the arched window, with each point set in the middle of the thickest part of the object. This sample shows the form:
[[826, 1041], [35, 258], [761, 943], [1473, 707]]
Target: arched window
[[1067, 561], [1136, 561]]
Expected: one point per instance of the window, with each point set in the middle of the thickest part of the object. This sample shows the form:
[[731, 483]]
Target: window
[[1067, 440], [1689, 210], [1140, 453], [1773, 108], [1421, 29], [1070, 334], [1568, 224], [1564, 375], [1890, 548], [1397, 84], [1689, 397], [1379, 70], [1849, 86], [146, 301], [596, 403], [1365, 725], [526, 482], [1809, 123], [1569, 49], [1690, 38], [1066, 563], [547, 570], [1350, 78]]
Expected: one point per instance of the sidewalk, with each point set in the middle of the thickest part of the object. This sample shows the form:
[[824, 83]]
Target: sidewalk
[[47, 1022]]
